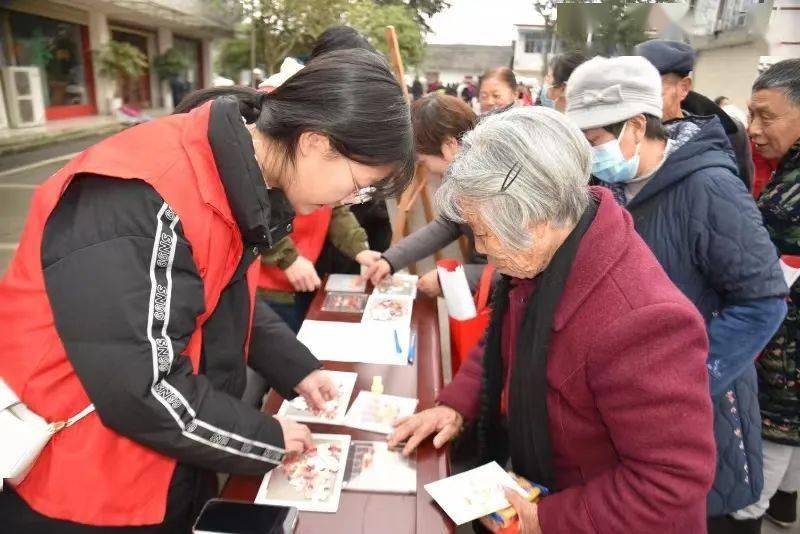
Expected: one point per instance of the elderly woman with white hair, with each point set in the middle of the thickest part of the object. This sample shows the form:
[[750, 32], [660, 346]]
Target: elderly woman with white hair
[[592, 377]]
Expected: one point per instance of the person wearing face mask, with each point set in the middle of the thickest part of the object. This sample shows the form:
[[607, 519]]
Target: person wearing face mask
[[554, 93], [675, 61], [689, 206], [131, 296], [498, 89]]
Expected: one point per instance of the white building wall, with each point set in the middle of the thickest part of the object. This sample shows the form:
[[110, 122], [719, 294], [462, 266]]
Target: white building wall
[[784, 29], [99, 35], [728, 71]]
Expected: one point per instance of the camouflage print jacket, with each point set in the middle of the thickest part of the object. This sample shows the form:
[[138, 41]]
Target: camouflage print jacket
[[779, 365]]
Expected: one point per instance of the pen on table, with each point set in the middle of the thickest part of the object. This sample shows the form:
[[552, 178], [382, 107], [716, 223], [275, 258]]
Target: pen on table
[[412, 349], [397, 346]]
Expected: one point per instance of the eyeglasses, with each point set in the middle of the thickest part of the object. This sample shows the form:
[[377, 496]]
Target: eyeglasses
[[359, 194]]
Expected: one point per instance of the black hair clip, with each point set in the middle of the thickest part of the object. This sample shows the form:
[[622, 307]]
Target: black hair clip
[[509, 179]]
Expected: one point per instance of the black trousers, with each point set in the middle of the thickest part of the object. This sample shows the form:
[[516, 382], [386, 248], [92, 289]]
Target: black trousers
[[189, 491]]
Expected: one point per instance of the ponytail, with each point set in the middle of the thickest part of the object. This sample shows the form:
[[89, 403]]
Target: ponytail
[[250, 100]]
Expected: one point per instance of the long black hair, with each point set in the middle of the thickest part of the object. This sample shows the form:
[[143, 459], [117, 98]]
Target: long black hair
[[339, 38], [350, 96]]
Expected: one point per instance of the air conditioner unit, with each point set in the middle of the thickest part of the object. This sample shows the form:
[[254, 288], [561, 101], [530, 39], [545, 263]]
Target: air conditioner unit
[[24, 98], [3, 117]]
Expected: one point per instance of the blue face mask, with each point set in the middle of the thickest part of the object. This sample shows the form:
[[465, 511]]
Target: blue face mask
[[610, 165], [544, 99]]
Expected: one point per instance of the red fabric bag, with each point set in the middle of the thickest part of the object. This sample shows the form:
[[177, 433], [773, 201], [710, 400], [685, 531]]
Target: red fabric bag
[[465, 334]]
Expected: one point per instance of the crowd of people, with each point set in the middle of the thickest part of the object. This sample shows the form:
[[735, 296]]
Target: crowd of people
[[641, 360]]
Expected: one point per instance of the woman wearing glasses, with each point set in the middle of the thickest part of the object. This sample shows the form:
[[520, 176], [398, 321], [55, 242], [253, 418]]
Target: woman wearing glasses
[[133, 290]]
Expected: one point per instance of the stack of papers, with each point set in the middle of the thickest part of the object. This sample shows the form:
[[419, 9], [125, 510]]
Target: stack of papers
[[345, 283], [373, 466]]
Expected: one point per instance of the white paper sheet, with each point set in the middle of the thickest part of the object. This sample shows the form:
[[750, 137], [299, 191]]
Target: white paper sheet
[[474, 493], [388, 310], [297, 408], [376, 413], [457, 296], [335, 341], [373, 467]]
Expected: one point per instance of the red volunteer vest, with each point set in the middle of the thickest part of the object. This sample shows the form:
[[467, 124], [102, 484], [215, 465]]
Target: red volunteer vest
[[309, 233], [88, 473]]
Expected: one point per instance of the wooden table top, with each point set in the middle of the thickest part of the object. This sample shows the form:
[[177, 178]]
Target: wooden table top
[[380, 513]]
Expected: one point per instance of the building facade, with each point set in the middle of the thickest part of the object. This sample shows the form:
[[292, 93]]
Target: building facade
[[452, 63], [530, 47], [60, 39]]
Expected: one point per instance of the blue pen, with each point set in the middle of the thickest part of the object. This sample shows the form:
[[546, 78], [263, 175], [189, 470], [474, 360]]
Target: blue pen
[[397, 346], [412, 349]]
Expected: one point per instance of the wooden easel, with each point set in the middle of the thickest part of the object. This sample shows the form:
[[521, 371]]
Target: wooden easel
[[419, 184]]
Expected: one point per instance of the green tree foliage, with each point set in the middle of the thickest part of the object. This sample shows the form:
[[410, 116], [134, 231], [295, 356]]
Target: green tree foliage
[[371, 20], [610, 29], [284, 28]]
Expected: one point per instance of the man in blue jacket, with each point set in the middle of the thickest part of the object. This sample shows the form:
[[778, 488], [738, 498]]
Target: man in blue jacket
[[680, 184]]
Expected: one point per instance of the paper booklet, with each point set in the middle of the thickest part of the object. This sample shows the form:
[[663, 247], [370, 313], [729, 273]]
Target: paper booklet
[[345, 302], [376, 413], [474, 493], [345, 283], [356, 342], [373, 466], [335, 409], [311, 481]]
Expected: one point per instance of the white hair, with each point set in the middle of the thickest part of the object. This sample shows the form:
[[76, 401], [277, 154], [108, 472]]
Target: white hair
[[552, 162]]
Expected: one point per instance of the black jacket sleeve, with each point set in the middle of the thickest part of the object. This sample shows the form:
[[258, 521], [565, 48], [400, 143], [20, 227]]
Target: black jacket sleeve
[[275, 352], [125, 294]]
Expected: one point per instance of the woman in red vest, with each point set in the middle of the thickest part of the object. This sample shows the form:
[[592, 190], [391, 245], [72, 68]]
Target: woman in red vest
[[133, 286]]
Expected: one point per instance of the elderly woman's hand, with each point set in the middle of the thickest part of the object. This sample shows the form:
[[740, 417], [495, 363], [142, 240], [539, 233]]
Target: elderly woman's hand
[[527, 512], [441, 419], [376, 272]]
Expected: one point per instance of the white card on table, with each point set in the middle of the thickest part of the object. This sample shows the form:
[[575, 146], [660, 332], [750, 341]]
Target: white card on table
[[312, 481], [336, 341], [345, 283], [388, 310], [474, 493], [376, 413], [373, 466], [401, 285], [335, 409]]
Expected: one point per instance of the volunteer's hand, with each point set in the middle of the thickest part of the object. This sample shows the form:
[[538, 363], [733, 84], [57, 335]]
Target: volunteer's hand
[[376, 272], [296, 437], [317, 388], [302, 275], [443, 420], [528, 513], [367, 257], [428, 283]]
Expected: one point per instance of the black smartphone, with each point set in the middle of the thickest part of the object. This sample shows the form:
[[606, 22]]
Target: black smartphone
[[221, 516]]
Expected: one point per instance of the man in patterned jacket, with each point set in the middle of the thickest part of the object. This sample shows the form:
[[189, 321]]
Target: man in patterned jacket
[[775, 132]]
